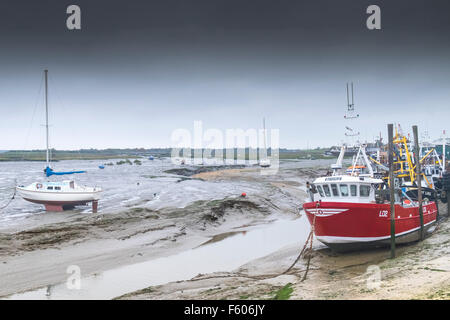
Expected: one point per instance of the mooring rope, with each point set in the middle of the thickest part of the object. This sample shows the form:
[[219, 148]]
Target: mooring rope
[[10, 200], [309, 241]]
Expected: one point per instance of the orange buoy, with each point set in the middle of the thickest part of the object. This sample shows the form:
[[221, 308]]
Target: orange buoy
[[243, 194]]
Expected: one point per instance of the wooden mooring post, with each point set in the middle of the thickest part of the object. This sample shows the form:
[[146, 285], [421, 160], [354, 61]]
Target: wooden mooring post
[[448, 202], [418, 178], [437, 205], [447, 189], [391, 186]]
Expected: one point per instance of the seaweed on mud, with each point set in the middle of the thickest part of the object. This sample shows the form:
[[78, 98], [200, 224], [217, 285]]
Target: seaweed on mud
[[132, 215], [219, 208], [144, 210], [196, 170], [187, 178], [47, 237], [47, 232]]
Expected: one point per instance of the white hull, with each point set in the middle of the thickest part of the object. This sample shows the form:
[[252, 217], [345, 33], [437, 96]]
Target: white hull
[[264, 163], [58, 196]]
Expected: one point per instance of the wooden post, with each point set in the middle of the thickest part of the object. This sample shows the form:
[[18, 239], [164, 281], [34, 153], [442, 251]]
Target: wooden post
[[448, 202], [391, 186], [94, 206], [437, 204], [418, 178]]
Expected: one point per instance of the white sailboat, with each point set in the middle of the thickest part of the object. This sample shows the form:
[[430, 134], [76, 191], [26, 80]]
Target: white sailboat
[[265, 162], [57, 196]]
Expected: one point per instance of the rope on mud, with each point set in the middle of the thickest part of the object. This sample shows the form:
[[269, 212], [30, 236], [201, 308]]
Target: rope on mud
[[241, 275], [10, 200], [310, 241]]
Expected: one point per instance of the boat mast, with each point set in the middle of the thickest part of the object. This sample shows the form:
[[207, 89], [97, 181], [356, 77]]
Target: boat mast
[[46, 115], [264, 128], [443, 152]]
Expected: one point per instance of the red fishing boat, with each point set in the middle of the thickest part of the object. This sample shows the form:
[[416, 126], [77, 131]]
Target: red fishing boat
[[352, 211]]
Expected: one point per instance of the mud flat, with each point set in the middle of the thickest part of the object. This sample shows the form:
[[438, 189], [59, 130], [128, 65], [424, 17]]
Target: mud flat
[[39, 256], [420, 271], [194, 170], [36, 252]]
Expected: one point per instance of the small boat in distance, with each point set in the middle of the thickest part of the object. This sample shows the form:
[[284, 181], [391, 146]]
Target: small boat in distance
[[265, 162], [58, 196]]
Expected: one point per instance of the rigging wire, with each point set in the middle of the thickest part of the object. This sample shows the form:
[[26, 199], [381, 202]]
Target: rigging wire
[[60, 101], [32, 117]]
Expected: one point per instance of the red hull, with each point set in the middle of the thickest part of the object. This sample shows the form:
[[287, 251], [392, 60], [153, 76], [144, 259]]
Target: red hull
[[345, 226], [59, 206]]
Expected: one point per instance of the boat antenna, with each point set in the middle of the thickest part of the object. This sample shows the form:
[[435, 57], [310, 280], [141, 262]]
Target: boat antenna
[[348, 101], [46, 116], [350, 106], [353, 100], [350, 112]]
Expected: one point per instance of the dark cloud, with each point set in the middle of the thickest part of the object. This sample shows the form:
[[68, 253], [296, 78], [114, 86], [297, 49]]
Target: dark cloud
[[222, 58]]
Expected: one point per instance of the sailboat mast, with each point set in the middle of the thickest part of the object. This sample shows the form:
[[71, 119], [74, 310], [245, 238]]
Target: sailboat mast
[[264, 128], [46, 115]]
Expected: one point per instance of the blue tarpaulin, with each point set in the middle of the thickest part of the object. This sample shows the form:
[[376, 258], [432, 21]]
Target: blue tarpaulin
[[49, 172]]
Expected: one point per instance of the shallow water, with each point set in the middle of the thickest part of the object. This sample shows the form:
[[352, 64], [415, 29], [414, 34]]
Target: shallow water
[[125, 186], [225, 255]]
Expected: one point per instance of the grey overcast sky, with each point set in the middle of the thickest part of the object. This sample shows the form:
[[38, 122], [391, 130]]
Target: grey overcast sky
[[139, 69]]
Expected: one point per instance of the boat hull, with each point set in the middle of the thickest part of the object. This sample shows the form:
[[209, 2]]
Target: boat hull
[[355, 226], [59, 201]]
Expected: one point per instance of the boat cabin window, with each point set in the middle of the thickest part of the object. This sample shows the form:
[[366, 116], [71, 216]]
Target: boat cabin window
[[319, 188], [344, 190], [326, 189], [49, 188], [353, 190], [335, 190], [364, 191], [57, 188]]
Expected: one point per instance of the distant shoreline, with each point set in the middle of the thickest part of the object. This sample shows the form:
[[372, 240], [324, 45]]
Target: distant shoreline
[[94, 154]]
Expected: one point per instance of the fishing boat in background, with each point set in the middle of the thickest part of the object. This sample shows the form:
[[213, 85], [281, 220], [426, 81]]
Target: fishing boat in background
[[61, 195], [434, 164], [405, 167]]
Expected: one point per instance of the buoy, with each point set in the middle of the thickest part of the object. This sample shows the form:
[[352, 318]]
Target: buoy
[[243, 194], [101, 167]]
